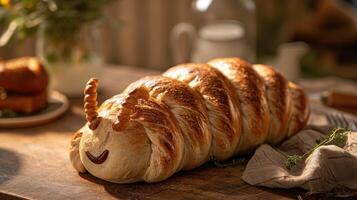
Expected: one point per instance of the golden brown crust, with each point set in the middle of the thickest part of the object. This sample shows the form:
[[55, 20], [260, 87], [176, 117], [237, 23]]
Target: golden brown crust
[[160, 125], [300, 110], [128, 107], [279, 101], [24, 75], [164, 133], [188, 108], [76, 135], [250, 90], [220, 100]]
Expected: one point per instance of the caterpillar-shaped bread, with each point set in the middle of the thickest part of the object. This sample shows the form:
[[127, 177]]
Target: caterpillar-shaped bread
[[162, 124]]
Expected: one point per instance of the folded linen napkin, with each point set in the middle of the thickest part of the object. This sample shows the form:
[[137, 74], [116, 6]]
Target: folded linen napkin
[[329, 169]]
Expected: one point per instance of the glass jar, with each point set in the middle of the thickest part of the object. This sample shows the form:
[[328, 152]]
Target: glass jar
[[71, 61]]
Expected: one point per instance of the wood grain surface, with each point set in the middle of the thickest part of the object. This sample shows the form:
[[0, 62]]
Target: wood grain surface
[[34, 164]]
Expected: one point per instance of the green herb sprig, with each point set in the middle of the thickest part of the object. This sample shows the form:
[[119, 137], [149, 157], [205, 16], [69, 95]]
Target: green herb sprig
[[337, 136]]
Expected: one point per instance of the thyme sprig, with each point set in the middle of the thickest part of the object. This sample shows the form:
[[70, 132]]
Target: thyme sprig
[[337, 136]]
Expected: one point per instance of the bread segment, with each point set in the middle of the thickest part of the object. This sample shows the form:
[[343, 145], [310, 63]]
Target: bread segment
[[187, 107], [251, 93], [279, 102], [221, 103], [300, 110]]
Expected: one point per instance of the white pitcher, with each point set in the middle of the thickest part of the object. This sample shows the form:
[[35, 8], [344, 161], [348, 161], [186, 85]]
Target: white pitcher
[[224, 38]]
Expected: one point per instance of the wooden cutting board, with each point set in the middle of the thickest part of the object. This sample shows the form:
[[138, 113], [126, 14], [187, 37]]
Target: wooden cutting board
[[34, 164]]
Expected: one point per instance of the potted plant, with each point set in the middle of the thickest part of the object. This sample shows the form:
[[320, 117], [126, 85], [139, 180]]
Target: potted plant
[[68, 39]]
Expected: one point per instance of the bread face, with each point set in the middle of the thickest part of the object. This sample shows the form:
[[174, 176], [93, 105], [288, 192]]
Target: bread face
[[163, 124], [146, 146]]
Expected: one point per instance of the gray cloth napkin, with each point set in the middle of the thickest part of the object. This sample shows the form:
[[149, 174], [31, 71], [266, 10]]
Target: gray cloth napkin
[[329, 169]]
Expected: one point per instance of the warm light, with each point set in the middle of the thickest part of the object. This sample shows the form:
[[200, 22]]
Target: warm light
[[5, 3], [202, 5]]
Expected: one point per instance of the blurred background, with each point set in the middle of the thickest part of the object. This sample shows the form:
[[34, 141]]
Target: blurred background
[[311, 42], [157, 34]]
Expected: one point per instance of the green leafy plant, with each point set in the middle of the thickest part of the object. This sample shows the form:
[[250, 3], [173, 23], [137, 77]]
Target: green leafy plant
[[337, 136], [63, 18]]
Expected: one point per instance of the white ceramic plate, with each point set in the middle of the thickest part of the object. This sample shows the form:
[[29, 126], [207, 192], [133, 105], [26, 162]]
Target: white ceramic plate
[[57, 105]]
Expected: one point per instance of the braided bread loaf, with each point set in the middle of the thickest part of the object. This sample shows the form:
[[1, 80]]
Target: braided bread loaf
[[162, 124]]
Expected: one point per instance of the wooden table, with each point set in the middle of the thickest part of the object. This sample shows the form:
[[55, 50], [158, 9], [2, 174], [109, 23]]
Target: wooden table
[[34, 164]]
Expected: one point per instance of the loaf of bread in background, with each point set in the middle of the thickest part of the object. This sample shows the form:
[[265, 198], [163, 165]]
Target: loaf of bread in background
[[23, 85], [24, 103], [23, 76]]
